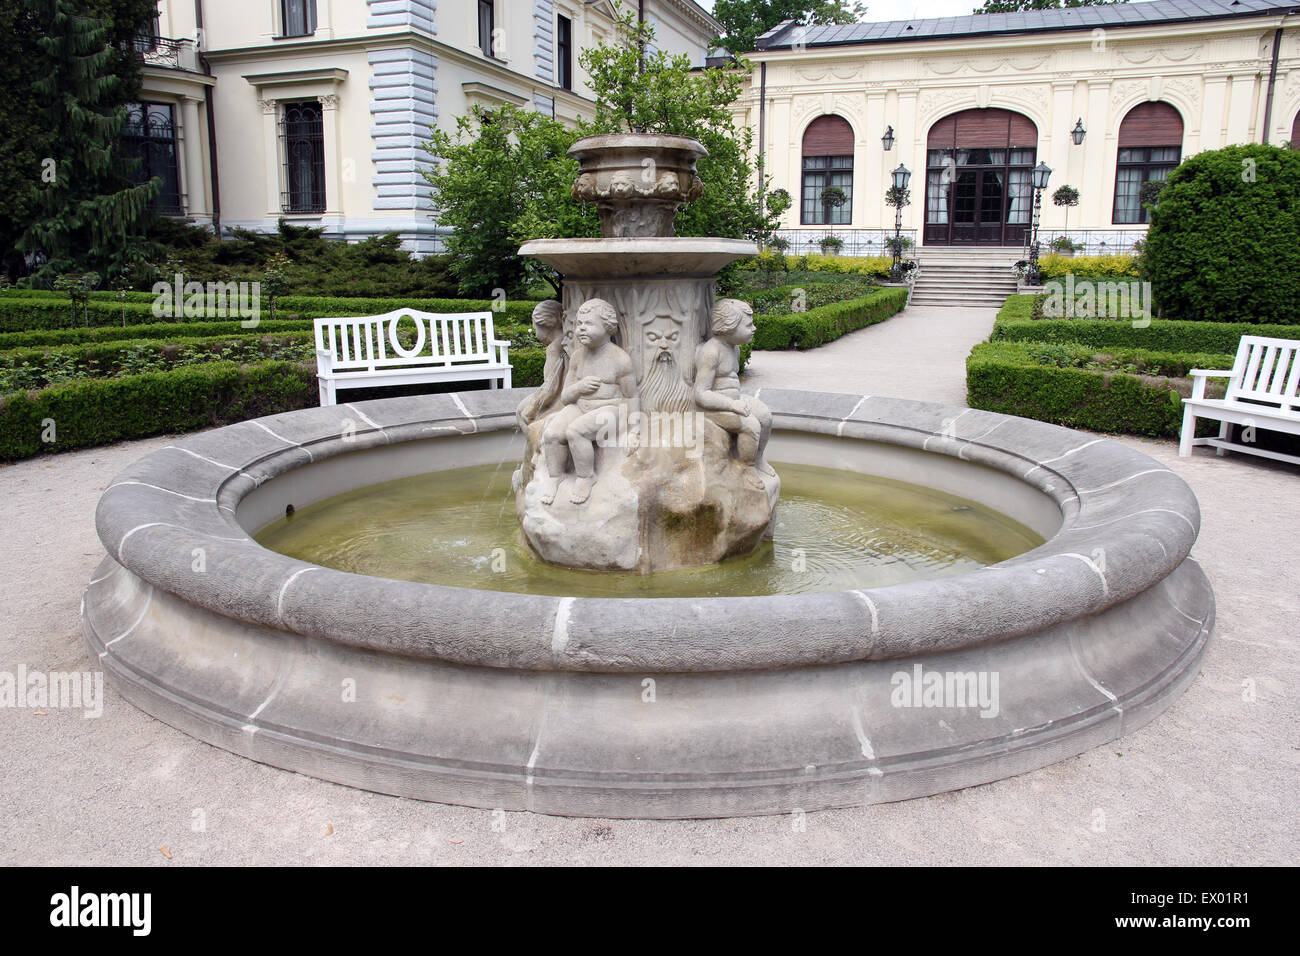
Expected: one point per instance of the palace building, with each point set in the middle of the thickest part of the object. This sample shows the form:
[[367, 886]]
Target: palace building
[[1109, 97], [314, 110]]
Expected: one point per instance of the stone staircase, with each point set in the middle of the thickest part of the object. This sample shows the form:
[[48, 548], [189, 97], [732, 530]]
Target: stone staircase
[[954, 277]]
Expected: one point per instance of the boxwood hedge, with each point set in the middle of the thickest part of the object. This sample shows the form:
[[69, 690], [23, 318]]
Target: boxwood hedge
[[807, 330], [1045, 383], [101, 411], [23, 314], [1162, 335]]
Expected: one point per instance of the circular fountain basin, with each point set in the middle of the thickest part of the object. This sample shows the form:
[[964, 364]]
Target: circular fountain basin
[[650, 706]]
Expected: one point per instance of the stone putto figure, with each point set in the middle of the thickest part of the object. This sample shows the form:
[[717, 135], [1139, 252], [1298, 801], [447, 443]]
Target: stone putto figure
[[548, 324], [717, 387], [600, 379]]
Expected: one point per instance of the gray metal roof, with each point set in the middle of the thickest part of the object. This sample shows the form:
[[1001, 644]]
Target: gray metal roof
[[1109, 16]]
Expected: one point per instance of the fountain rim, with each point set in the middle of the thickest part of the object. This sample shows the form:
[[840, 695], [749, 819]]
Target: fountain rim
[[610, 143], [1140, 516]]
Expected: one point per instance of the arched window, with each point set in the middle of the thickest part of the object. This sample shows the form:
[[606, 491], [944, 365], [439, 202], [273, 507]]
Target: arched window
[[1295, 132], [1150, 148], [827, 161]]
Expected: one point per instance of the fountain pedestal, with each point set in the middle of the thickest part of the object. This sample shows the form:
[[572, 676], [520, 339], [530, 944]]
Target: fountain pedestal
[[677, 481]]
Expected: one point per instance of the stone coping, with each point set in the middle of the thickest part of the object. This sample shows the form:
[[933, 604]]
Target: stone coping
[[1128, 523]]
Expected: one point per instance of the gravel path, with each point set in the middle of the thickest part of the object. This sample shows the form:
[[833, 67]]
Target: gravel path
[[1212, 781]]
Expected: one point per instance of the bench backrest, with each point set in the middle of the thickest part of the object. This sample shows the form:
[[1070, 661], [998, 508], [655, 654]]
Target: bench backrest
[[375, 341], [1266, 370]]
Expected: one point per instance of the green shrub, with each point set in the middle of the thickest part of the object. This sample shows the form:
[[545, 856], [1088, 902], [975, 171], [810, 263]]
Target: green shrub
[[102, 411], [778, 301], [1014, 324], [807, 330], [767, 261], [22, 314], [1046, 382], [22, 369], [1224, 242], [1089, 267], [157, 330]]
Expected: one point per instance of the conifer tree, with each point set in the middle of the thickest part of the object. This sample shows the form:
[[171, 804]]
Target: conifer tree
[[89, 215]]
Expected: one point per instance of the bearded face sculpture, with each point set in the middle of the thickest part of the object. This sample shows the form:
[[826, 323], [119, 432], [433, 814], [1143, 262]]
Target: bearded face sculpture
[[662, 386]]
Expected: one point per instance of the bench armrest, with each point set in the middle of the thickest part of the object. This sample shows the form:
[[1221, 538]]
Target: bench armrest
[[503, 350], [324, 360], [1199, 375]]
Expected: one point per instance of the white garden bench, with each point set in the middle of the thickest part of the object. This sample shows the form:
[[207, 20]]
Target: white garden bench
[[367, 351], [1262, 393]]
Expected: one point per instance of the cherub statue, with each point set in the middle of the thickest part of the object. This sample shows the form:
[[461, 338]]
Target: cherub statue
[[548, 324], [717, 387], [600, 379]]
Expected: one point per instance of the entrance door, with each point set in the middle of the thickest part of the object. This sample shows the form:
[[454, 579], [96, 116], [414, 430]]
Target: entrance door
[[978, 179], [979, 208]]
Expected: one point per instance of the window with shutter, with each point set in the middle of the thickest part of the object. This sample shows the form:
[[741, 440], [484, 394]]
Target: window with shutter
[[1150, 148], [827, 161]]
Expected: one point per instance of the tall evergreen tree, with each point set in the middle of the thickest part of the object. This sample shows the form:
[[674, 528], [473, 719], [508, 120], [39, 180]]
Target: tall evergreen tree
[[88, 214], [24, 140]]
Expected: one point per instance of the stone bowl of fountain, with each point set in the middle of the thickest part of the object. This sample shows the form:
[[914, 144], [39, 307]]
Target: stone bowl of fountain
[[526, 599]]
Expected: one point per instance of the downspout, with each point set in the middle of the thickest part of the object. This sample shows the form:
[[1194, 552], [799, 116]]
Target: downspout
[[640, 19], [1272, 82], [762, 134], [212, 128]]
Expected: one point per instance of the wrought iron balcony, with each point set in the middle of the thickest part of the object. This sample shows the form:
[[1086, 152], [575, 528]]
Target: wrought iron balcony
[[168, 54]]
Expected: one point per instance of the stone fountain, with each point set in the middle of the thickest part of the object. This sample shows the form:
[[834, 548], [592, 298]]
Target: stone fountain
[[641, 453]]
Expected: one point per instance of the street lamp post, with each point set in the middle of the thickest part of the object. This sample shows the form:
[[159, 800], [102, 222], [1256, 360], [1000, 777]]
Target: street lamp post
[[1040, 176], [902, 176]]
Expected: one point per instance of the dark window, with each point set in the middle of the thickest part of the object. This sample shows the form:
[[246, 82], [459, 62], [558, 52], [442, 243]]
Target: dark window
[[818, 173], [564, 53], [1295, 132], [485, 26], [827, 161], [1150, 148], [149, 137], [298, 17], [302, 138]]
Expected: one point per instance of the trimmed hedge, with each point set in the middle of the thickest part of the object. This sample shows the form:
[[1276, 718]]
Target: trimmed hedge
[[102, 411], [23, 314], [106, 359], [1008, 377], [1162, 335], [158, 330], [807, 330]]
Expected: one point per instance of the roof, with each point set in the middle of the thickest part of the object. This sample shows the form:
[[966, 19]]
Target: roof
[[1116, 15]]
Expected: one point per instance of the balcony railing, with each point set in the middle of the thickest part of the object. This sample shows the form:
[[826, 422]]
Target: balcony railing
[[168, 54]]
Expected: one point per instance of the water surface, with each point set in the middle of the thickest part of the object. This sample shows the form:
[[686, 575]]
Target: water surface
[[834, 530]]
